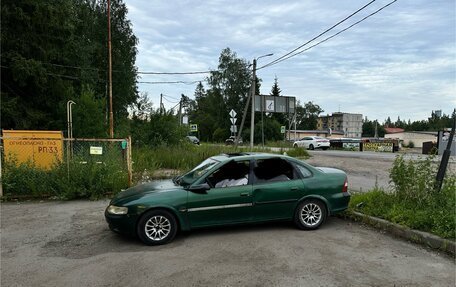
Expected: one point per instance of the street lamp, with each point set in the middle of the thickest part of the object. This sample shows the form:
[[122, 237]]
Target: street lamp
[[252, 124], [70, 119]]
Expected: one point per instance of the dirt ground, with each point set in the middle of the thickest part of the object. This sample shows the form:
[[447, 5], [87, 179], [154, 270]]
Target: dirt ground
[[69, 244], [363, 173]]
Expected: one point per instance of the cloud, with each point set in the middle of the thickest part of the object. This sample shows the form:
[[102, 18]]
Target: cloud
[[402, 59]]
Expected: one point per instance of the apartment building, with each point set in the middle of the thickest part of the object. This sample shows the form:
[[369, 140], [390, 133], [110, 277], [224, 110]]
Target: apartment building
[[351, 125]]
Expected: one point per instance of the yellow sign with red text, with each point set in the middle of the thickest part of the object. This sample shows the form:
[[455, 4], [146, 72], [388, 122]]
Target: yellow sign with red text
[[41, 148]]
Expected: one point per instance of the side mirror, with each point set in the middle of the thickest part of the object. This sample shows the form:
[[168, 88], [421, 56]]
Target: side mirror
[[199, 188]]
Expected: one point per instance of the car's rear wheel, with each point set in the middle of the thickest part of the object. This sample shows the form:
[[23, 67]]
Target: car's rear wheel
[[311, 147], [157, 227], [310, 214], [295, 145]]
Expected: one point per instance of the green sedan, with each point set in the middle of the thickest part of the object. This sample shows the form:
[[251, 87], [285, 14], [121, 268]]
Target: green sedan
[[230, 189]]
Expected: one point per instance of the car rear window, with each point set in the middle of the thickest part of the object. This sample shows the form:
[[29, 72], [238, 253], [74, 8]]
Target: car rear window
[[273, 170]]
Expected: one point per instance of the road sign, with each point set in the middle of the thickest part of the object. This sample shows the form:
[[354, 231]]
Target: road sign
[[282, 129], [233, 120], [193, 127], [233, 113], [233, 129]]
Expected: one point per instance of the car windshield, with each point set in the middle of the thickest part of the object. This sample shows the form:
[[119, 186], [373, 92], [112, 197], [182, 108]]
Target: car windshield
[[196, 172]]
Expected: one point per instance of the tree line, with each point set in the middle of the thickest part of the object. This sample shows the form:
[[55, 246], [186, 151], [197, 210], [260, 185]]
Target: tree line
[[433, 123], [56, 50]]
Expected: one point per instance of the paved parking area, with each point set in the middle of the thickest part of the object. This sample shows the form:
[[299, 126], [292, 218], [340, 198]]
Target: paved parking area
[[69, 244]]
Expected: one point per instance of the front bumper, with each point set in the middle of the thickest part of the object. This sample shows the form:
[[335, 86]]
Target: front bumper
[[125, 224]]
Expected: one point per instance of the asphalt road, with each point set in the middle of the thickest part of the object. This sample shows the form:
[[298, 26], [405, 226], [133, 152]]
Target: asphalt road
[[69, 244], [366, 170]]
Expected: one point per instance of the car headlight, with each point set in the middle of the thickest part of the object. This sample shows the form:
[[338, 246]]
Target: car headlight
[[117, 210]]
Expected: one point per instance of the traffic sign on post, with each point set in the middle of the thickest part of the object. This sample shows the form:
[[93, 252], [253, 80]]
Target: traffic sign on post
[[282, 129], [233, 113], [193, 127], [233, 120]]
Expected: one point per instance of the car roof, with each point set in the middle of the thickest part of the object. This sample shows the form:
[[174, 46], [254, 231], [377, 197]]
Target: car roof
[[246, 155]]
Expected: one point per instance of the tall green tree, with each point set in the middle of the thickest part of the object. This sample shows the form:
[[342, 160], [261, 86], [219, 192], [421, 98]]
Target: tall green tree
[[52, 50], [227, 88], [307, 115], [275, 90]]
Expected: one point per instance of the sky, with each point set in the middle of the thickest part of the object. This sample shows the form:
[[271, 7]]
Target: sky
[[399, 62]]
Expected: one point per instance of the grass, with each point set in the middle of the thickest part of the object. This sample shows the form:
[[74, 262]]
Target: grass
[[413, 201], [81, 179], [186, 156]]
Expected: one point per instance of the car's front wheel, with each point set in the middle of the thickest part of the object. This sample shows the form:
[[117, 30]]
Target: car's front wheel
[[157, 227], [311, 147], [310, 214]]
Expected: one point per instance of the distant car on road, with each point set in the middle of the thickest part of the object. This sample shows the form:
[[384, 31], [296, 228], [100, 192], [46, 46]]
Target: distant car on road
[[230, 189], [312, 143], [193, 139], [232, 140]]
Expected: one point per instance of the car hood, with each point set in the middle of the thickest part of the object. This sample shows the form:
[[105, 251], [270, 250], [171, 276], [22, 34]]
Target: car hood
[[148, 188]]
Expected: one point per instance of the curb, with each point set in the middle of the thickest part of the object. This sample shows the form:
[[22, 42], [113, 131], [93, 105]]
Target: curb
[[420, 237]]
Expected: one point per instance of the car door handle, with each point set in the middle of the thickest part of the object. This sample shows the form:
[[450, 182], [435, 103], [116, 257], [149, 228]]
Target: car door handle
[[294, 188], [245, 194]]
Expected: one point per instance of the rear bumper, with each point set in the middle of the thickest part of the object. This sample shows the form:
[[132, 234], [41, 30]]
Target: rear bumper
[[340, 203], [322, 145]]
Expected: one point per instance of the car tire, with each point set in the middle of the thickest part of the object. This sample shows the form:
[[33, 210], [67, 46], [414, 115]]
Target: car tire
[[295, 145], [157, 227], [310, 214], [311, 147]]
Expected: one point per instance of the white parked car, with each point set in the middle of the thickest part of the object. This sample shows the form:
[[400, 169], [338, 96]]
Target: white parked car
[[312, 143]]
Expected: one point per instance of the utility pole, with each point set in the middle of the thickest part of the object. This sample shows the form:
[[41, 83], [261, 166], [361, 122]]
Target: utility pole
[[161, 103], [376, 130], [445, 157], [243, 120], [252, 124], [180, 111], [252, 117], [111, 115]]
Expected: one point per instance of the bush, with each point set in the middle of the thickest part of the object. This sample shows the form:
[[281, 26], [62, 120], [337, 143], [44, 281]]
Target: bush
[[82, 180], [298, 152], [413, 202]]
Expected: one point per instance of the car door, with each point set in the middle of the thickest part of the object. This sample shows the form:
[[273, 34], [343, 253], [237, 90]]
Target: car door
[[276, 189], [229, 200], [306, 142]]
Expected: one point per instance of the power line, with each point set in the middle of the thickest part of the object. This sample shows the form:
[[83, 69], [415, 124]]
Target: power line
[[170, 101], [54, 75], [117, 71], [169, 82], [328, 38], [314, 38], [175, 73], [173, 98]]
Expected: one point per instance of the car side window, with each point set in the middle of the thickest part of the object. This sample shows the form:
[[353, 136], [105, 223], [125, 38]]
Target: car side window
[[231, 174], [273, 170], [305, 172]]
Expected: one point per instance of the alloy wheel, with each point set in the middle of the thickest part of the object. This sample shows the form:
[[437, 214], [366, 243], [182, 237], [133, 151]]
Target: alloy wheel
[[311, 214], [157, 228]]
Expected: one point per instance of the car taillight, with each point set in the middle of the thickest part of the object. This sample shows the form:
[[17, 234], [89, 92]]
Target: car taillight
[[345, 187]]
